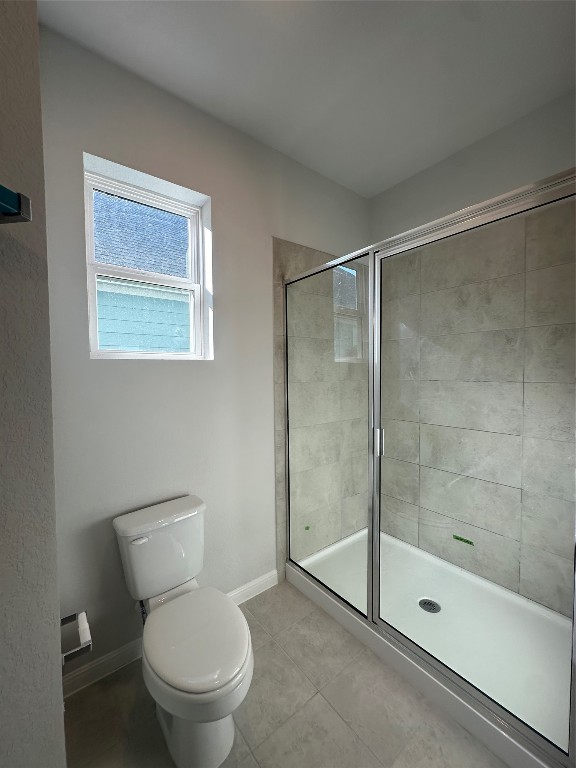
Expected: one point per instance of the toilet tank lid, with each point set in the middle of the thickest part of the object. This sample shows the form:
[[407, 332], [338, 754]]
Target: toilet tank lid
[[151, 518]]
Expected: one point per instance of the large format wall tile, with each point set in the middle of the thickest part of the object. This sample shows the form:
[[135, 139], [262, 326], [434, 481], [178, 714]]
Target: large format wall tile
[[492, 251], [354, 513], [310, 315], [486, 405], [484, 455], [401, 318], [312, 530], [496, 508], [399, 519], [547, 579], [321, 284], [400, 359], [354, 371], [548, 468], [315, 446], [483, 356], [354, 399], [354, 474], [549, 411], [493, 557], [402, 440], [486, 306], [354, 436], [401, 275], [550, 353], [550, 296], [311, 360], [399, 400], [548, 523], [399, 479], [550, 236], [313, 403], [315, 488]]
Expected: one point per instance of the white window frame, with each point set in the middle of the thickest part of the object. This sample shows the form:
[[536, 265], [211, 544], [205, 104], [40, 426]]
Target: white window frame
[[358, 314], [195, 284]]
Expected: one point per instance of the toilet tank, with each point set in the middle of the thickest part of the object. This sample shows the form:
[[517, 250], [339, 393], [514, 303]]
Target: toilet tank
[[161, 546]]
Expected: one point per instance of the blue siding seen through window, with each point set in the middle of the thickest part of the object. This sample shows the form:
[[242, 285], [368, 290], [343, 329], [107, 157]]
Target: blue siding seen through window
[[138, 317], [138, 236]]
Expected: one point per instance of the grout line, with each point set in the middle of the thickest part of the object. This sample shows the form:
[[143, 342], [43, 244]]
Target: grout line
[[481, 330], [473, 282], [352, 729], [465, 522]]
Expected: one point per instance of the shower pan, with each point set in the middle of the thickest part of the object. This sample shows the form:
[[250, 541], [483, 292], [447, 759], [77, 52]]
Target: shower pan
[[430, 459]]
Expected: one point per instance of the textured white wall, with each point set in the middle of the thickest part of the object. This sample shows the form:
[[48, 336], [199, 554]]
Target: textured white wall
[[31, 710], [530, 149], [130, 433]]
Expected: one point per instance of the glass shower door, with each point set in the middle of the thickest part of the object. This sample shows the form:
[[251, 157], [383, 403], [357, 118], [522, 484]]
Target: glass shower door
[[477, 466], [327, 416]]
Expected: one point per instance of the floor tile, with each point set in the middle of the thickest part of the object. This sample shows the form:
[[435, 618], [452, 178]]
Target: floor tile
[[100, 716], [378, 705], [240, 755], [248, 762], [278, 689], [257, 632], [315, 737], [279, 607], [319, 646], [445, 745]]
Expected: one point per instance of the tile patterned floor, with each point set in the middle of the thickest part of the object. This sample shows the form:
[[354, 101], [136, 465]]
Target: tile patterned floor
[[319, 699]]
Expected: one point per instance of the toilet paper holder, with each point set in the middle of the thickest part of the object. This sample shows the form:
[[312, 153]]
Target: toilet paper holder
[[79, 637]]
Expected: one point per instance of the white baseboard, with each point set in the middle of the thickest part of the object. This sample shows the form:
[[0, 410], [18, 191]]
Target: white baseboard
[[253, 588], [111, 662], [102, 667]]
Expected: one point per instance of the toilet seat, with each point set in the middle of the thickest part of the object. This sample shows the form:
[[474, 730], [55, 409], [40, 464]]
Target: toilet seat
[[197, 643]]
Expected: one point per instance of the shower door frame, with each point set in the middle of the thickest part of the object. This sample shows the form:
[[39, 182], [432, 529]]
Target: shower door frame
[[521, 201], [552, 189]]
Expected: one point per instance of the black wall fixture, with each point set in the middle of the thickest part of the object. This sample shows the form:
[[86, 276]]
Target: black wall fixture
[[14, 206]]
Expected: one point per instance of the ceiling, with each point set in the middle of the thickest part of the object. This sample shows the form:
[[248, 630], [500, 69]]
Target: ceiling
[[365, 93]]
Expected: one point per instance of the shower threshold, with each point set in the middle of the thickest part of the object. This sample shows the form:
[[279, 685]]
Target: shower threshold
[[512, 649]]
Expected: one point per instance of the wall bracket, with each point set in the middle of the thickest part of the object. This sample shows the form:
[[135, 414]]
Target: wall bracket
[[14, 207]]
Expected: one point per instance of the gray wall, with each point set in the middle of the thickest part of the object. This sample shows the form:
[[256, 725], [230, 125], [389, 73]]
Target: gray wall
[[31, 710], [131, 433], [528, 150], [478, 401]]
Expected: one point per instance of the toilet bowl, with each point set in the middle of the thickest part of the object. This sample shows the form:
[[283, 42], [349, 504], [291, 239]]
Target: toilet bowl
[[197, 659], [197, 663]]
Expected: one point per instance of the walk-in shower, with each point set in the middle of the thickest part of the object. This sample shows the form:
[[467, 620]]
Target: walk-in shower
[[430, 451]]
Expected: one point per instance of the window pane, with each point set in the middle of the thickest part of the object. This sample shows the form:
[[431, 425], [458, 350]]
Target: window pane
[[138, 317], [129, 234], [345, 291]]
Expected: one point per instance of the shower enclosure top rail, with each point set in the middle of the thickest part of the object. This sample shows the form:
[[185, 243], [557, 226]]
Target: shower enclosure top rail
[[548, 190]]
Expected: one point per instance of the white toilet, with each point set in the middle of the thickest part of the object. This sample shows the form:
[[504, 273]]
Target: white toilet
[[197, 655]]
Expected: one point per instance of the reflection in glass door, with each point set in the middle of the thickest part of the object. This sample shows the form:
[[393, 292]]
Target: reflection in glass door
[[477, 471], [327, 409]]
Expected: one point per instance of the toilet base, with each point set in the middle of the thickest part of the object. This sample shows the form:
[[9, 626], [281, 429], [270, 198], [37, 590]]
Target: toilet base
[[196, 745]]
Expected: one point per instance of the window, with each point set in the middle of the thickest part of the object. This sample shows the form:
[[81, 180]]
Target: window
[[149, 266], [348, 314]]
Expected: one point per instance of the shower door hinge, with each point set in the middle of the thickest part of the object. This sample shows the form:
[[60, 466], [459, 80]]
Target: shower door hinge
[[379, 441]]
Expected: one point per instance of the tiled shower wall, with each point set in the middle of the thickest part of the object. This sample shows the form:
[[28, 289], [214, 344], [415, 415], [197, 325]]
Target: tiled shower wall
[[478, 401], [289, 260], [328, 412]]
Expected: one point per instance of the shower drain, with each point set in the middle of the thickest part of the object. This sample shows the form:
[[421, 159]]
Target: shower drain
[[429, 605]]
